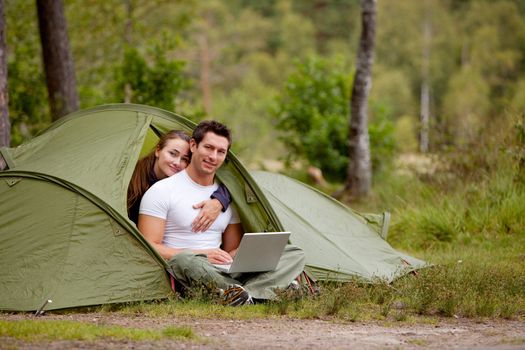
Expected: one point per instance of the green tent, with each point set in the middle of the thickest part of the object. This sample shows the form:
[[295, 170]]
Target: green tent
[[340, 244], [65, 235]]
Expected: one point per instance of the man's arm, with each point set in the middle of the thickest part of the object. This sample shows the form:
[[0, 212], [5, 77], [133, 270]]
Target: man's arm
[[231, 237], [152, 228]]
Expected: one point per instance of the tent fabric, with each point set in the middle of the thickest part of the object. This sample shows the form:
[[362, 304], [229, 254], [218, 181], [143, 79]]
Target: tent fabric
[[65, 235], [73, 258], [339, 243]]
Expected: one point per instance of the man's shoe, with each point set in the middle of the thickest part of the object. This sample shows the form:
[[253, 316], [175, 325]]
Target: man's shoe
[[235, 296], [296, 290]]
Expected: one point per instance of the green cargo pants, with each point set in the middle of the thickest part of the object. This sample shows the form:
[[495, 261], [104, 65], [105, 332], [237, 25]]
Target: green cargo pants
[[194, 271]]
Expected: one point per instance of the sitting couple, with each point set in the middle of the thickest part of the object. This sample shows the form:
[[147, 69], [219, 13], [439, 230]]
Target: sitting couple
[[186, 215]]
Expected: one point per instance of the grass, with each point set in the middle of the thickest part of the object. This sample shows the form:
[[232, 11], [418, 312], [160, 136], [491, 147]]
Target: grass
[[190, 308], [468, 283], [50, 330], [478, 214]]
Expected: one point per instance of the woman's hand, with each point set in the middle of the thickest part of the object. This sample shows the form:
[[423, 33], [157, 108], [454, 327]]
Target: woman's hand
[[210, 210]]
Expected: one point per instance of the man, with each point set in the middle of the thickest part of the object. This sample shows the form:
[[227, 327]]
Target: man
[[166, 215]]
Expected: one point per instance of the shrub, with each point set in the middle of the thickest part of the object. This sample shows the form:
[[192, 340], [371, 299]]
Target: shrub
[[313, 115], [157, 83]]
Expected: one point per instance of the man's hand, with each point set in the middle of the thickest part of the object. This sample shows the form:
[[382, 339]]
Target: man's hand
[[210, 210], [216, 256]]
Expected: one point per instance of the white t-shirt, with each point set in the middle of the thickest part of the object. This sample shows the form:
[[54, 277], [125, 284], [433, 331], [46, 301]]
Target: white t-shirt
[[172, 199]]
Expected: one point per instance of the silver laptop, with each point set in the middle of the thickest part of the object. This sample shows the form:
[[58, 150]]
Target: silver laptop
[[257, 252]]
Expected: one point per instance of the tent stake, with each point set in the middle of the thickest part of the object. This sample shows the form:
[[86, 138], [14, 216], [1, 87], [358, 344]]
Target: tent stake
[[40, 311]]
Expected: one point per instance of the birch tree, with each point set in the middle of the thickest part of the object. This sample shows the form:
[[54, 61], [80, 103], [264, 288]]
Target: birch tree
[[359, 175], [424, 114]]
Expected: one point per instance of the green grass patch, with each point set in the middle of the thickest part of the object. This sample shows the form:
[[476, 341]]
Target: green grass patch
[[192, 308], [475, 278], [473, 215], [474, 288], [483, 281], [51, 330]]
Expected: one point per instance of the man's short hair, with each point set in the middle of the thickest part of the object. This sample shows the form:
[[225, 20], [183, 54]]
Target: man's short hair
[[214, 127]]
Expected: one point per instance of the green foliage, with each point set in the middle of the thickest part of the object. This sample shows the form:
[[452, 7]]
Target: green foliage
[[465, 105], [517, 102], [465, 282], [330, 27], [247, 116], [39, 330], [156, 84], [474, 212], [392, 89], [27, 96], [295, 33], [494, 35], [313, 114], [481, 285], [475, 65], [517, 147], [28, 108], [473, 288], [405, 134], [458, 197], [382, 137]]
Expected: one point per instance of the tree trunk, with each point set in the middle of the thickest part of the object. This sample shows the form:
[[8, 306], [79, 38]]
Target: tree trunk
[[424, 119], [128, 35], [58, 62], [5, 125], [205, 72], [359, 176]]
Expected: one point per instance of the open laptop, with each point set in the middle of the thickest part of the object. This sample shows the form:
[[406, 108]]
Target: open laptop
[[259, 251]]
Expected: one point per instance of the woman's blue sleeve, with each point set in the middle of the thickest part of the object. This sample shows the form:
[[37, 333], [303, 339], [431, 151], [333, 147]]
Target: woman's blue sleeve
[[222, 195]]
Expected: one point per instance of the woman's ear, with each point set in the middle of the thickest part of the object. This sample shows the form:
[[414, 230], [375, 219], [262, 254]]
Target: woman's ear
[[157, 150]]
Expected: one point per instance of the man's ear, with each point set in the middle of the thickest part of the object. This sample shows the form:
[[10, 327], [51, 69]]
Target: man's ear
[[193, 145]]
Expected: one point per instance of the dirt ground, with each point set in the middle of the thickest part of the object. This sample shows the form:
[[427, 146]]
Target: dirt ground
[[283, 333]]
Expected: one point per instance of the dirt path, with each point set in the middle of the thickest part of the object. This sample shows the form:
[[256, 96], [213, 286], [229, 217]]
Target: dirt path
[[285, 333]]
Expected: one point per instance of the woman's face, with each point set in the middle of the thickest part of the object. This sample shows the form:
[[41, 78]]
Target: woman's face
[[172, 158]]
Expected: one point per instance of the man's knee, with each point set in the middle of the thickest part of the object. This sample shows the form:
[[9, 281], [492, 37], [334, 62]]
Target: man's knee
[[186, 258], [294, 252]]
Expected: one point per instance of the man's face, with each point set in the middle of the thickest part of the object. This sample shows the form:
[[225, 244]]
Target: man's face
[[209, 154]]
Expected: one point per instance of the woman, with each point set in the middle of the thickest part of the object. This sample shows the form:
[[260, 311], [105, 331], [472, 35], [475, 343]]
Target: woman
[[171, 155]]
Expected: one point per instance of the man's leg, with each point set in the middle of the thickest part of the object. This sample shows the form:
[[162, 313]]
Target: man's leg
[[194, 271], [262, 285]]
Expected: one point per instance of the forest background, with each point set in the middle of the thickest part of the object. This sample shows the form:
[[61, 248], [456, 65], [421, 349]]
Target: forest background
[[239, 61], [279, 73]]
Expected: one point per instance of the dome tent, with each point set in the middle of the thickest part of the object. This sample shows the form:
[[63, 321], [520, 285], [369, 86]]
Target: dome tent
[[64, 231]]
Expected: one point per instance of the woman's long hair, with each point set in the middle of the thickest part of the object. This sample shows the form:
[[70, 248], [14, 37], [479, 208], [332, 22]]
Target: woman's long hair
[[139, 183]]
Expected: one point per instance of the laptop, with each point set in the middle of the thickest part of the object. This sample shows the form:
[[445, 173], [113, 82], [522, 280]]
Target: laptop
[[258, 251]]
